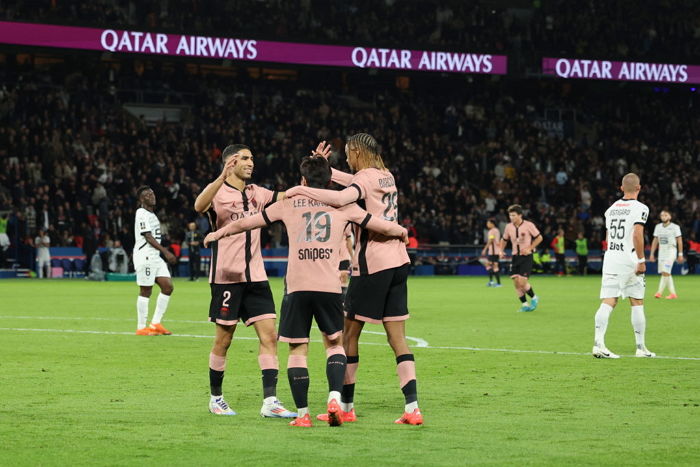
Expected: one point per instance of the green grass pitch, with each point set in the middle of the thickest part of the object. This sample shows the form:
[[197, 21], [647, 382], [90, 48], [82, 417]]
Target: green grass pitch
[[495, 386]]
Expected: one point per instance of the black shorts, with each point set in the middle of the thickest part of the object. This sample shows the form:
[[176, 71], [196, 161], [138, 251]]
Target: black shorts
[[493, 258], [245, 301], [300, 308], [344, 265], [521, 265], [379, 297]]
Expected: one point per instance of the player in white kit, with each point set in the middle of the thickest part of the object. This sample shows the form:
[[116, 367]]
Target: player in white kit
[[667, 237], [149, 266], [624, 266]]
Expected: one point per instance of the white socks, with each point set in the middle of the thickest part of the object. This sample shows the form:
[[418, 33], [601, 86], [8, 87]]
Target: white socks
[[639, 323], [662, 283], [142, 311], [671, 286], [301, 411], [161, 306], [411, 407], [334, 395], [347, 406], [601, 323]]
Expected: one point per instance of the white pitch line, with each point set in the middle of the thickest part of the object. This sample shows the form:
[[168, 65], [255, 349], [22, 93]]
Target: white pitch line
[[475, 349], [418, 341]]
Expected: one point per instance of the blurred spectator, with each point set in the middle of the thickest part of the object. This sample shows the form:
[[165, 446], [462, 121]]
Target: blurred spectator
[[43, 255]]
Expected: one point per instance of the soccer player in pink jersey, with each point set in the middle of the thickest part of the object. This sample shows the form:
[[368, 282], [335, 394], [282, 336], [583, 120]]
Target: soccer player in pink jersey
[[239, 286], [524, 238], [346, 249], [316, 232], [378, 291], [492, 251]]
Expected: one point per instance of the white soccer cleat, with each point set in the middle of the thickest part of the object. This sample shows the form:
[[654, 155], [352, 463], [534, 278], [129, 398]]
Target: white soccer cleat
[[603, 352], [644, 352], [275, 410], [219, 406]]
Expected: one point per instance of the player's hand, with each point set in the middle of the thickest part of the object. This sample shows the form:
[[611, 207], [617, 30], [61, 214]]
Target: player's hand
[[502, 255], [170, 258], [211, 237], [404, 236], [641, 268], [228, 167], [680, 259], [652, 259], [323, 149]]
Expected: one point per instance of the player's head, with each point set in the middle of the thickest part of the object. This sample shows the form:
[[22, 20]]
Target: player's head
[[665, 216], [491, 223], [191, 226], [630, 185], [315, 172], [244, 160], [362, 151], [515, 212], [146, 197]]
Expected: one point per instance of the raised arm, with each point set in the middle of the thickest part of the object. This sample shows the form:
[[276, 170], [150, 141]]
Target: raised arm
[[341, 178], [367, 221], [203, 201], [331, 197], [241, 225]]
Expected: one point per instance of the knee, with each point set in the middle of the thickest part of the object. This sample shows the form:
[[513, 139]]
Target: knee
[[145, 292], [167, 289]]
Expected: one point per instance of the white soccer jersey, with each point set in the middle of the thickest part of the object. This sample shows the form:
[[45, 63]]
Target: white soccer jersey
[[146, 221], [667, 239], [620, 219]]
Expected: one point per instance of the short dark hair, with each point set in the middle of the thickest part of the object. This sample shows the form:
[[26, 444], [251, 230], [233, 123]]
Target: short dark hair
[[140, 190], [316, 170], [516, 208], [491, 220], [232, 149]]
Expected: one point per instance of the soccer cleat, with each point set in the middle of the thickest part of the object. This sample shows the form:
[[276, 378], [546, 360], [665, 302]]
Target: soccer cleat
[[304, 422], [159, 330], [413, 418], [276, 410], [348, 417], [219, 406], [644, 352], [525, 308], [497, 285], [672, 296], [534, 302], [335, 415], [602, 352], [489, 284], [657, 295], [146, 332]]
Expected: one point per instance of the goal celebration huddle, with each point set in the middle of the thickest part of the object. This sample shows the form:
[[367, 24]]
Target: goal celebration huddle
[[319, 223]]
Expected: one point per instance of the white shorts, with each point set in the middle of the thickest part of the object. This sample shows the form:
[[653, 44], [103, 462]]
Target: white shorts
[[623, 285], [665, 265], [147, 271]]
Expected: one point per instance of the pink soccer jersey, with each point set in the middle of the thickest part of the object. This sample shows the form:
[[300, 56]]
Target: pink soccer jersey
[[495, 237], [315, 232], [344, 252], [238, 258], [521, 237], [374, 190]]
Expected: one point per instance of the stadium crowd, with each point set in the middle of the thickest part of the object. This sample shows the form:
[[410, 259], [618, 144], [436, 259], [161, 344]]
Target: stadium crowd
[[650, 29], [72, 157]]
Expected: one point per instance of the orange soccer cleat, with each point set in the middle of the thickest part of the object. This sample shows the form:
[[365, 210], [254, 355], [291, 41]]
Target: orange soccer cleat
[[146, 332], [657, 295], [347, 417], [335, 415], [159, 330], [413, 418], [304, 422], [672, 296]]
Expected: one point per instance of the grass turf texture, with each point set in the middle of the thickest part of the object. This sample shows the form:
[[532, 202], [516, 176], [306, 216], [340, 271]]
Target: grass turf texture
[[120, 399]]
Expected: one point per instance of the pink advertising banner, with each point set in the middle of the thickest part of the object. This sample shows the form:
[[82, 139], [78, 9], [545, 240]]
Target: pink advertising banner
[[621, 71], [151, 43]]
